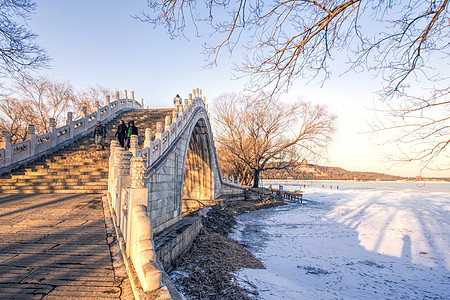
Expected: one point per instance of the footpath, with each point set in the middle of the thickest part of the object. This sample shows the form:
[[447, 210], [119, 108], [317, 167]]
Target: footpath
[[56, 246]]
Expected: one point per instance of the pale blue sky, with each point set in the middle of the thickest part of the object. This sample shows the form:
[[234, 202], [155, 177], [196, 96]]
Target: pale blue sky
[[98, 42]]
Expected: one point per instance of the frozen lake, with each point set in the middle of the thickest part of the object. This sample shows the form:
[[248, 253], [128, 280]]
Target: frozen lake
[[375, 240]]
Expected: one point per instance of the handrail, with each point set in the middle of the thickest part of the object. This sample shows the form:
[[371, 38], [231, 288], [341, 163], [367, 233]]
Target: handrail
[[14, 155]]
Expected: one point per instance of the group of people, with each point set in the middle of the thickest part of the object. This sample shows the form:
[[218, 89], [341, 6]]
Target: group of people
[[123, 134]]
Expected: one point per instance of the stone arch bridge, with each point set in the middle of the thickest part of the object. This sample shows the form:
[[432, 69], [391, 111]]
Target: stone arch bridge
[[175, 172], [168, 171]]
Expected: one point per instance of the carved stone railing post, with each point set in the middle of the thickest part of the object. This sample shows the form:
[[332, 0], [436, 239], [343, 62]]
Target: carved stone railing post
[[31, 136], [148, 137], [167, 123], [137, 172], [125, 96], [108, 104], [158, 131], [97, 108], [140, 246], [174, 116], [186, 103], [84, 114], [124, 181], [134, 144], [117, 97], [114, 145], [190, 99], [142, 103], [53, 132], [6, 145], [69, 122]]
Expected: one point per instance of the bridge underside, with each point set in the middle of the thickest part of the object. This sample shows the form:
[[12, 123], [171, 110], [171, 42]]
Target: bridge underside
[[198, 179]]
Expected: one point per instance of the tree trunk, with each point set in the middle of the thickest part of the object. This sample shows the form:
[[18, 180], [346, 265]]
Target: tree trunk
[[256, 179]]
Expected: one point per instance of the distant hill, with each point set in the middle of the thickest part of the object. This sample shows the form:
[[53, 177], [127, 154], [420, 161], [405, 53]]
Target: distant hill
[[305, 171]]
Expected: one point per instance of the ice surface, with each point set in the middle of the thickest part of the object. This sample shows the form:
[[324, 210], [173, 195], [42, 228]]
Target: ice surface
[[358, 242]]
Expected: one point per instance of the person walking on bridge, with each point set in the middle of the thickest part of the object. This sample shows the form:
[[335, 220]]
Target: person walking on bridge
[[121, 133], [131, 131], [99, 136]]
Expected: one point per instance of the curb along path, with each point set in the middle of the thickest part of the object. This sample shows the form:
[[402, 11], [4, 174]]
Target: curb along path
[[57, 246]]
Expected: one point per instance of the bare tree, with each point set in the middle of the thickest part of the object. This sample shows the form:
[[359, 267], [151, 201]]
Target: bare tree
[[47, 99], [90, 96], [18, 51], [14, 117], [404, 42], [260, 133], [422, 125]]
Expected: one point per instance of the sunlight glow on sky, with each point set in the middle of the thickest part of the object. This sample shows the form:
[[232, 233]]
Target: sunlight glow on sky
[[99, 43]]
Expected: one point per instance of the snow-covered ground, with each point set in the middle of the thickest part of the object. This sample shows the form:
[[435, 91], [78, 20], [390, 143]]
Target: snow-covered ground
[[388, 241]]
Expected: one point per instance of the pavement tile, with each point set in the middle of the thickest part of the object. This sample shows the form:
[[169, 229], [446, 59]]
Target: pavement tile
[[54, 246]]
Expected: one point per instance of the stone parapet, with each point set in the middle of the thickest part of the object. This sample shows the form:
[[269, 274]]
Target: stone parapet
[[13, 155], [176, 239]]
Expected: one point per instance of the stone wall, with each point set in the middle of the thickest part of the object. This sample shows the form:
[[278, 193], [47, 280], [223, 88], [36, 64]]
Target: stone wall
[[174, 241]]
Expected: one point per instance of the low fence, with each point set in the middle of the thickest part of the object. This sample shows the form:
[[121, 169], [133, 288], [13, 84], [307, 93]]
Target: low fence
[[12, 155], [290, 196]]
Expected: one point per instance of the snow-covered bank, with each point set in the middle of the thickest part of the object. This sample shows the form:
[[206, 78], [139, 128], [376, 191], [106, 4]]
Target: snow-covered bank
[[352, 243]]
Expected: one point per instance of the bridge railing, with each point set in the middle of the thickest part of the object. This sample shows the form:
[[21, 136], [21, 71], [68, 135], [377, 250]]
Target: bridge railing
[[128, 196], [12, 155], [174, 125]]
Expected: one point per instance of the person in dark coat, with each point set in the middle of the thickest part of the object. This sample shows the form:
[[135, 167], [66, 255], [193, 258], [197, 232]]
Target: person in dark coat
[[121, 133], [132, 129], [99, 136]]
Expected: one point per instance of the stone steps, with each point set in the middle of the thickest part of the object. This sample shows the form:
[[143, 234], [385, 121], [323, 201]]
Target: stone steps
[[77, 168]]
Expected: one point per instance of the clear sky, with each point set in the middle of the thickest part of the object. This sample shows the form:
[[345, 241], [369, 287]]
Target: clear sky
[[98, 42]]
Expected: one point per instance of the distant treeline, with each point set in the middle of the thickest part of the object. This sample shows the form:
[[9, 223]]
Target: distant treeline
[[304, 171]]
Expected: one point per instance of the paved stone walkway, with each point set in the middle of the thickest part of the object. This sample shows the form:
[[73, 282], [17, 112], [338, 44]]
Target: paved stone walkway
[[57, 246]]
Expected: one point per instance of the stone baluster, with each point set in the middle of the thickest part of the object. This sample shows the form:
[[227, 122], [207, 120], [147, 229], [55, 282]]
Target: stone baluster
[[6, 145], [142, 102], [97, 108], [148, 137], [69, 122], [132, 99], [85, 118], [167, 124], [108, 105], [174, 116], [134, 144], [125, 96], [186, 103], [31, 136], [158, 131], [53, 133], [137, 172], [123, 180], [124, 162], [112, 166], [190, 99], [180, 111]]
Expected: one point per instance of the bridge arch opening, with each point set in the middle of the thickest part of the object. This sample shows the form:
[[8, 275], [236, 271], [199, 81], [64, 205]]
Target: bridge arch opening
[[198, 179]]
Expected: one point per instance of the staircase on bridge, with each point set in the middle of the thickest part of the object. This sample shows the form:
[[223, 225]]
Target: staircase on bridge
[[78, 167]]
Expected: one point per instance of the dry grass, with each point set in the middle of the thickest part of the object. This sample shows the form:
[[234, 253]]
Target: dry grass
[[207, 270]]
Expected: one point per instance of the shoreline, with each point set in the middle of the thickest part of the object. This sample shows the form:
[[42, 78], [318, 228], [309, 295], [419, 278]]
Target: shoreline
[[207, 269], [342, 180]]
